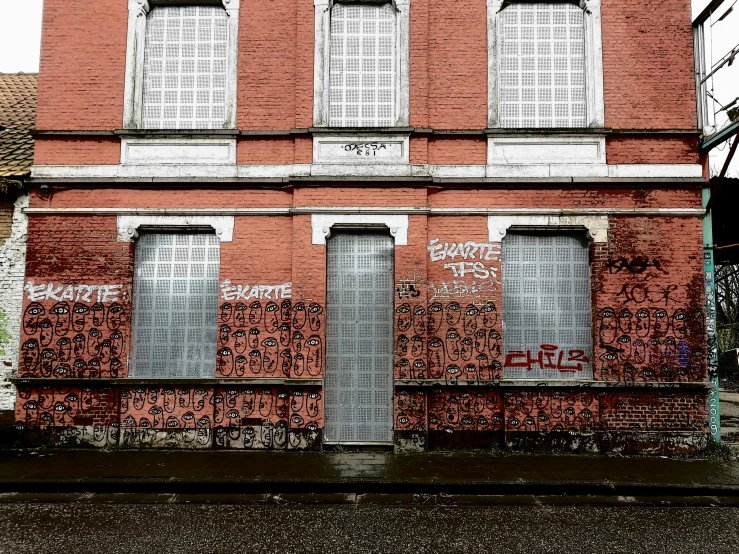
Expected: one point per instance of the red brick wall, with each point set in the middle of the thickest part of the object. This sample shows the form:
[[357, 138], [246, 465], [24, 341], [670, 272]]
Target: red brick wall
[[651, 150], [648, 318], [111, 197], [566, 198], [265, 151], [436, 311], [77, 301], [648, 64], [83, 62], [82, 151], [267, 64], [457, 65], [647, 56], [454, 151]]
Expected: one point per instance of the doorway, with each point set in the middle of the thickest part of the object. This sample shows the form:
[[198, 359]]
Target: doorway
[[359, 338]]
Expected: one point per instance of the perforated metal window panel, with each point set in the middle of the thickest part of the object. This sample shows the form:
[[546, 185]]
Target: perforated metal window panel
[[542, 66], [175, 305], [546, 301], [185, 68], [359, 338], [362, 66]]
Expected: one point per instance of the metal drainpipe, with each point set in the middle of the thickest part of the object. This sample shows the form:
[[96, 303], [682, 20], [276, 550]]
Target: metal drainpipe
[[714, 410]]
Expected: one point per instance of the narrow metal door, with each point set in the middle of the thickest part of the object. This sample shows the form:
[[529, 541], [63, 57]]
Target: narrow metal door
[[359, 338]]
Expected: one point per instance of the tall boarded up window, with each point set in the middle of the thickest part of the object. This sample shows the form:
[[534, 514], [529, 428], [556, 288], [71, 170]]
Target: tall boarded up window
[[546, 307], [359, 338], [185, 68], [362, 65], [542, 66], [175, 305]]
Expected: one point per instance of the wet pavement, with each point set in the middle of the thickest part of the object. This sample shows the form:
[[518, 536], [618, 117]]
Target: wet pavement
[[115, 528], [219, 473]]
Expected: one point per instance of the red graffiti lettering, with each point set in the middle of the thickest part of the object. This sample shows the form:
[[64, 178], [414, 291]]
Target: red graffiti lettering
[[548, 356]]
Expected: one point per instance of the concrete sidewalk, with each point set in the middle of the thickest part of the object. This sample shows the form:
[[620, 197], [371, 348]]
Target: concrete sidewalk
[[222, 475]]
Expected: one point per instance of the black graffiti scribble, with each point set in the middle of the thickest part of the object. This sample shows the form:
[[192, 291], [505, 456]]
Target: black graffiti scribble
[[407, 291], [642, 293], [637, 264]]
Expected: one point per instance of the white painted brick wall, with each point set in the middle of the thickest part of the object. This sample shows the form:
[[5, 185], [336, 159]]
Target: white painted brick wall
[[12, 275]]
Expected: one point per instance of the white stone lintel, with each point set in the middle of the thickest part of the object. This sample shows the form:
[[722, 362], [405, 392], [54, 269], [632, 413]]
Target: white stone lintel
[[462, 172], [178, 151], [321, 225], [596, 226], [128, 225]]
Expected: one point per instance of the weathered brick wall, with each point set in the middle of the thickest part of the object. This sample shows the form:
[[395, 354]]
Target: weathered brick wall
[[448, 328], [457, 64], [651, 150], [648, 318], [83, 62], [6, 218], [77, 299], [648, 64], [78, 151], [13, 233]]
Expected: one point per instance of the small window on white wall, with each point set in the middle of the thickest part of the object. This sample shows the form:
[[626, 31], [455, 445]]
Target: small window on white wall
[[175, 305], [185, 68], [362, 65], [542, 66]]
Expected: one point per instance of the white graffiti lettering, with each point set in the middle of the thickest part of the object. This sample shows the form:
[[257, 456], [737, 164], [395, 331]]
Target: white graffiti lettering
[[247, 292], [470, 250], [73, 293], [461, 289]]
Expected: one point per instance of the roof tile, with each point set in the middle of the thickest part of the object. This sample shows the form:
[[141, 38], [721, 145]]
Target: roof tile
[[18, 92]]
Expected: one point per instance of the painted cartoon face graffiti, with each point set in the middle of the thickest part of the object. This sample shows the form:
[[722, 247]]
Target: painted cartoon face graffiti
[[266, 339], [74, 331]]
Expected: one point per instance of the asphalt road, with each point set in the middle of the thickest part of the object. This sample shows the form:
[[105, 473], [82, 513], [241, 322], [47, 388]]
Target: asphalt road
[[295, 528]]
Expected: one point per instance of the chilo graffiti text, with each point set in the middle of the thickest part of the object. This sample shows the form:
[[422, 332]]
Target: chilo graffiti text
[[549, 356]]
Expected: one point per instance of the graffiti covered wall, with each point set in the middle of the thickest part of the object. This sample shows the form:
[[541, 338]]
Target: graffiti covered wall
[[449, 363], [649, 323], [74, 330]]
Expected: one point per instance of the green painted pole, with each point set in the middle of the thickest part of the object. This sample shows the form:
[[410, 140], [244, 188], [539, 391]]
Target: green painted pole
[[714, 410]]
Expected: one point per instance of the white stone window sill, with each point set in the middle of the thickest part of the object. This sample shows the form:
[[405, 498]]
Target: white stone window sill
[[547, 149], [198, 150], [361, 149]]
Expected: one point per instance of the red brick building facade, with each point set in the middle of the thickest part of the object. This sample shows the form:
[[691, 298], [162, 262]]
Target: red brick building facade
[[416, 223]]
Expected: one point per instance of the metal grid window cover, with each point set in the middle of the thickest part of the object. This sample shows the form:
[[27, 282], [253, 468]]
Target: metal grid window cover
[[362, 66], [546, 301], [542, 66], [359, 338], [175, 305], [185, 68]]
